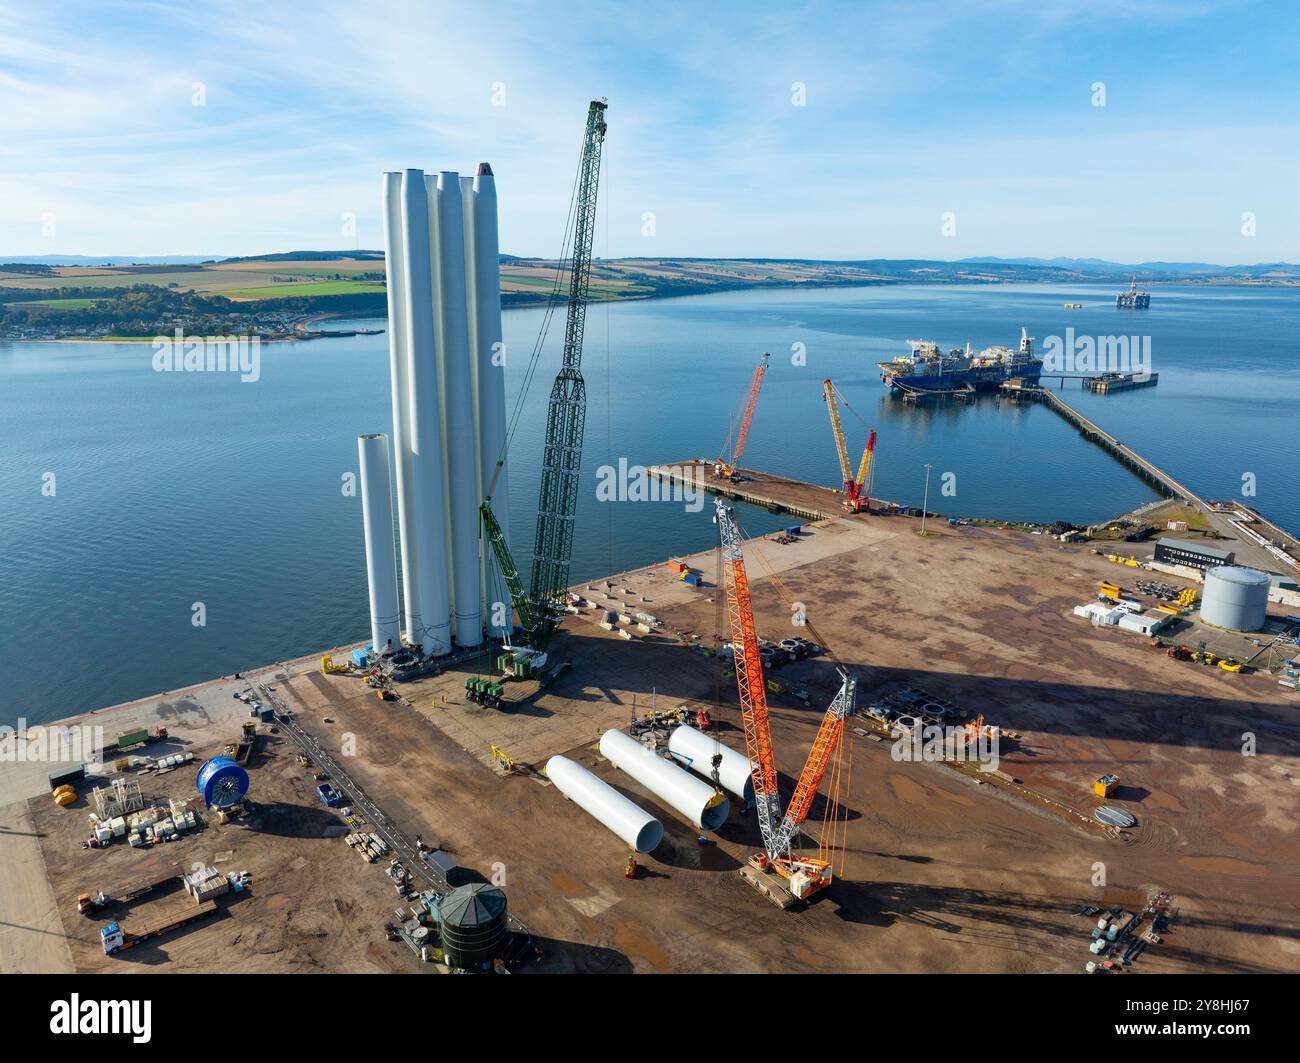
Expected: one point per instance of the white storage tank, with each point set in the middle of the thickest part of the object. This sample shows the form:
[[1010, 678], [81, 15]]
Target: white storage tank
[[1235, 598]]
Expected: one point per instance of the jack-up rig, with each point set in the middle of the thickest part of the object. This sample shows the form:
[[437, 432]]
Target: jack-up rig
[[803, 875], [541, 606]]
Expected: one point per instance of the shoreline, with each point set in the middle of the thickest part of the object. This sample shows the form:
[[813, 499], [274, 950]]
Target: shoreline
[[533, 303]]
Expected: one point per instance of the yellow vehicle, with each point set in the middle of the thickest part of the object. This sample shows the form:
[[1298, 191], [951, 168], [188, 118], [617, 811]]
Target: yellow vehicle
[[1105, 785], [328, 667], [1230, 664]]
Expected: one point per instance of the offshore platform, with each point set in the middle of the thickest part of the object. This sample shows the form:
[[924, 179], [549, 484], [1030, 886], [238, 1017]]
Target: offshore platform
[[1133, 299]]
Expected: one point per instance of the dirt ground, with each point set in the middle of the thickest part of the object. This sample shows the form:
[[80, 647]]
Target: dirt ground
[[314, 906], [941, 872]]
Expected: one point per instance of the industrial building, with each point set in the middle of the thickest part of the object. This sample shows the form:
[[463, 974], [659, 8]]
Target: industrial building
[[1191, 555], [449, 416]]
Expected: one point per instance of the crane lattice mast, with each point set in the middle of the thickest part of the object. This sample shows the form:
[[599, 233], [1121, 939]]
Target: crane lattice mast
[[566, 416], [727, 466], [779, 831], [854, 498]]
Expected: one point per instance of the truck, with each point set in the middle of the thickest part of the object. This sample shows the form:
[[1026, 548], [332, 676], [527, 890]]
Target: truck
[[139, 737], [116, 938]]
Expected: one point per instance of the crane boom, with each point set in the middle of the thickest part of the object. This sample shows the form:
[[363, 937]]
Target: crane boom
[[727, 467], [566, 415], [865, 467], [854, 499], [832, 407], [501, 551], [749, 679], [778, 831]]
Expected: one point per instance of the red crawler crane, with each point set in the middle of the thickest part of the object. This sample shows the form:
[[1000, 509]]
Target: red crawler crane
[[727, 466], [804, 875]]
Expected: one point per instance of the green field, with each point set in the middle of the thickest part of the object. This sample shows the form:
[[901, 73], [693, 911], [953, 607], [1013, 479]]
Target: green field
[[312, 288], [58, 304]]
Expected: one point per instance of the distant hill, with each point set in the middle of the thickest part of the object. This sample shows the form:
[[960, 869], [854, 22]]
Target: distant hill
[[105, 260], [1028, 268], [1102, 266]]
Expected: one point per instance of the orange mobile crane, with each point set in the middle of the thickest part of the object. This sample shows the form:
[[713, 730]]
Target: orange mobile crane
[[804, 875], [856, 494], [727, 466]]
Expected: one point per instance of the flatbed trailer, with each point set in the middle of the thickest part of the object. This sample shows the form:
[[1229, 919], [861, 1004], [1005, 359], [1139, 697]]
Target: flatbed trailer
[[87, 903], [116, 938]]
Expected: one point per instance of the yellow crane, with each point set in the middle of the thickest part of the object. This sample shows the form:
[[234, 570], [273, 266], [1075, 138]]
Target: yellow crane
[[856, 498]]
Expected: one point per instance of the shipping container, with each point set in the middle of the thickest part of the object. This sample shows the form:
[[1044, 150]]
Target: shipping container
[[67, 776], [132, 738]]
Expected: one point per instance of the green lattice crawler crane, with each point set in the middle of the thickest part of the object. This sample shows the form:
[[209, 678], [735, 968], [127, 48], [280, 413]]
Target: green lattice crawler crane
[[542, 606]]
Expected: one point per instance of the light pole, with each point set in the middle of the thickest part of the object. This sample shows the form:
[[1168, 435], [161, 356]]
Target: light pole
[[925, 505]]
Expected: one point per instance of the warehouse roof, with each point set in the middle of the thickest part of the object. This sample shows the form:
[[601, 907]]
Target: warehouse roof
[[1195, 548]]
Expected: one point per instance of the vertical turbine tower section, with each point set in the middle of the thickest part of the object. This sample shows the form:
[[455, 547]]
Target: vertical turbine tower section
[[398, 297], [377, 518], [451, 319], [427, 488], [487, 358]]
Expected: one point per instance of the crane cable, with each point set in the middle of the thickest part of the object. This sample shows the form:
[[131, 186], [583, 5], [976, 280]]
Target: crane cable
[[552, 301]]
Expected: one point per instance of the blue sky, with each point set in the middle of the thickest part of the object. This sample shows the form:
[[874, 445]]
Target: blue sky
[[912, 110]]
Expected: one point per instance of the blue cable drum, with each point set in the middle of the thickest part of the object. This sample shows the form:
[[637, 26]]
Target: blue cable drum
[[222, 782]]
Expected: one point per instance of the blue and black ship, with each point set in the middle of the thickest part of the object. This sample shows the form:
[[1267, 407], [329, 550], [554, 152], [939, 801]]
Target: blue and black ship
[[927, 369]]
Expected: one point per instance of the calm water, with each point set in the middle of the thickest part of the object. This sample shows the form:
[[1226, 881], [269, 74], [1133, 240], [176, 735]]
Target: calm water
[[181, 488]]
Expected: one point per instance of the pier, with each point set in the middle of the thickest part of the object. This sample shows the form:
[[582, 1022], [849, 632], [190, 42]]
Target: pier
[[1108, 382], [1094, 433], [776, 494]]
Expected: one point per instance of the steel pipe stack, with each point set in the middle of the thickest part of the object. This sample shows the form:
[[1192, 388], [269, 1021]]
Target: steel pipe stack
[[634, 825], [695, 800], [444, 317]]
